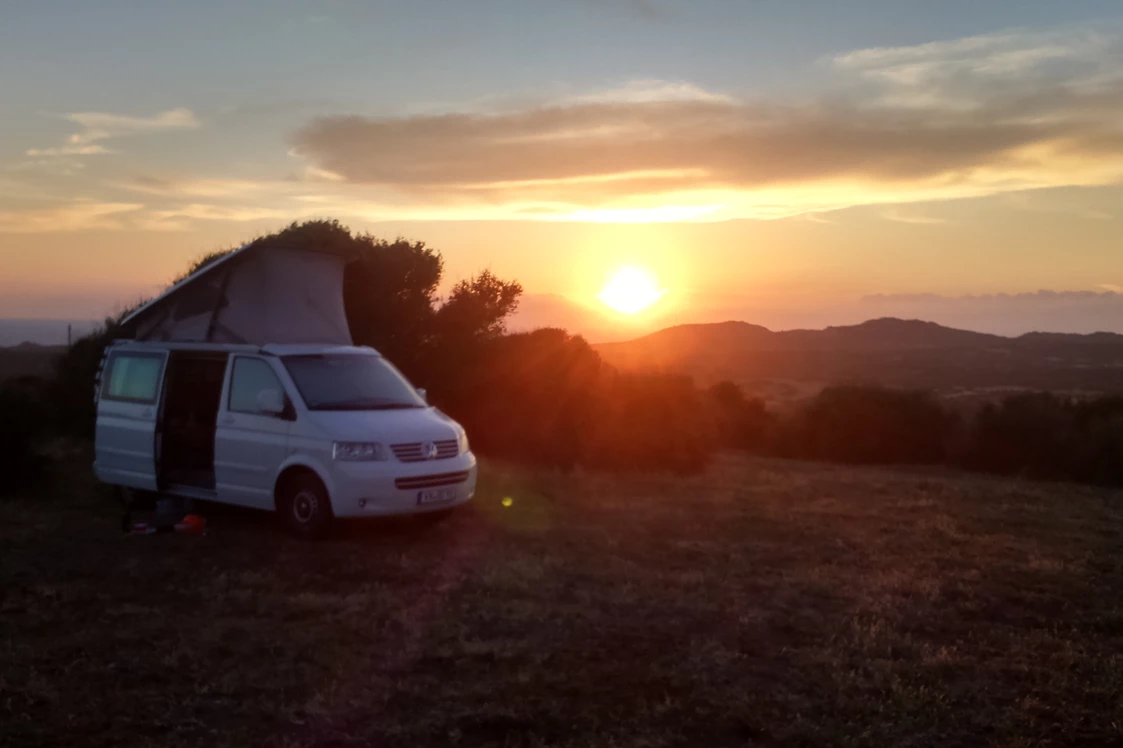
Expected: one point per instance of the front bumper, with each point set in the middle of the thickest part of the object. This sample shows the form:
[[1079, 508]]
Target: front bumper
[[370, 489]]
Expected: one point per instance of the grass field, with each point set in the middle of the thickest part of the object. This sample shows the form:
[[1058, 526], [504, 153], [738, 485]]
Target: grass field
[[770, 603]]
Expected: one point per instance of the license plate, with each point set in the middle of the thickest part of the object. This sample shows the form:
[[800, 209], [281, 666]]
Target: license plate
[[436, 495]]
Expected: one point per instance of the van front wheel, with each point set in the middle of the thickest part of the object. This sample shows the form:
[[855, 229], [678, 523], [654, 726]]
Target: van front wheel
[[305, 507]]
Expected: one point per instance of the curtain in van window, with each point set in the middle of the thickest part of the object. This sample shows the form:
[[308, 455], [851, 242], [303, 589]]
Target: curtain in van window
[[135, 377]]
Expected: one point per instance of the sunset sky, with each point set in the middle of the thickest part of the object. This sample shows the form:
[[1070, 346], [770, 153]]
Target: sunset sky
[[786, 162]]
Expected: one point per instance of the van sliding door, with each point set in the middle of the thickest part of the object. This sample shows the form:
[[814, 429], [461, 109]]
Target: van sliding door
[[125, 452]]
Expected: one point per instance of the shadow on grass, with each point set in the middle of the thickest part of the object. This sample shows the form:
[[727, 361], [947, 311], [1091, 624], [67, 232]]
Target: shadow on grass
[[246, 521]]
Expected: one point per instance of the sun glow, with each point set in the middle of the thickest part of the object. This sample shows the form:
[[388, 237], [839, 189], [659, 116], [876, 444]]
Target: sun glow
[[631, 290]]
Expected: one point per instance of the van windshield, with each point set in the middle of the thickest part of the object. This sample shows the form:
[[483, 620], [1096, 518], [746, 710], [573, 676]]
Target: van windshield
[[350, 382]]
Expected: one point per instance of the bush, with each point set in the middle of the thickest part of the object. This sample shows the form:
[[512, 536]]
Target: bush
[[546, 398], [1022, 433], [1042, 435], [24, 426], [526, 397], [1099, 426], [738, 422], [649, 422], [72, 390], [870, 425]]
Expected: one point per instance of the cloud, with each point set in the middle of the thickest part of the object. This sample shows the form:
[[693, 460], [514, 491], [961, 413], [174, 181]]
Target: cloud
[[322, 175], [64, 167], [958, 73], [69, 150], [899, 217], [1052, 203], [77, 216], [1042, 295], [179, 218], [650, 90], [86, 215], [103, 126], [213, 187], [209, 212], [965, 118]]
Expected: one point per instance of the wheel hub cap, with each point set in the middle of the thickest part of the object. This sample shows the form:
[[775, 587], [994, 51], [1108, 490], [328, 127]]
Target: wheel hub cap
[[304, 506]]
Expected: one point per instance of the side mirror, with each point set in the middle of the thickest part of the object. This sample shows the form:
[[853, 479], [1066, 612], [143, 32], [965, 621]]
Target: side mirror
[[271, 402], [424, 394]]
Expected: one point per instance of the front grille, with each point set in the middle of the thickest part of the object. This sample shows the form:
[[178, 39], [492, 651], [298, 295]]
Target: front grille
[[412, 452], [432, 481]]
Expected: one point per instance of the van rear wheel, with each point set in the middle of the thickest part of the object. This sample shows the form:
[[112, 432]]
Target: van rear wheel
[[305, 507]]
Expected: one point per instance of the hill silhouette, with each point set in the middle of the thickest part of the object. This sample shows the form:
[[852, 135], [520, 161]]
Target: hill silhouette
[[888, 351], [28, 359]]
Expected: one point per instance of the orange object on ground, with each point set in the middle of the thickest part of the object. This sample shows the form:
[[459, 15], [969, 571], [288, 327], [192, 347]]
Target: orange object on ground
[[193, 524]]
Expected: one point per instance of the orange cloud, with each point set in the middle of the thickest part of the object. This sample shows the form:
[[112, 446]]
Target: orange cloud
[[949, 120], [77, 216]]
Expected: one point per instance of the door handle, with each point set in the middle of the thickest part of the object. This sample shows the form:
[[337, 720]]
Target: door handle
[[228, 419], [146, 413]]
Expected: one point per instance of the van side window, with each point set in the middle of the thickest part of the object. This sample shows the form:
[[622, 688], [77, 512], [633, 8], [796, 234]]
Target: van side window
[[134, 377], [251, 376]]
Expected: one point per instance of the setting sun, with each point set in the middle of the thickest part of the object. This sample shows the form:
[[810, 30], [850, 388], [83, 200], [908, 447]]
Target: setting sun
[[631, 290]]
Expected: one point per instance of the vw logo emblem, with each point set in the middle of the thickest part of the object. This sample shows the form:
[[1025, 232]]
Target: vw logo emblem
[[429, 451]]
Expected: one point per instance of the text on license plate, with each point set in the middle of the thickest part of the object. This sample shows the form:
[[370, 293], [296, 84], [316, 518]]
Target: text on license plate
[[436, 495]]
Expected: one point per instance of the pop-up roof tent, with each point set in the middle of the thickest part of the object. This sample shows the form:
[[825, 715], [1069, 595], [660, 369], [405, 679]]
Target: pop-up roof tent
[[258, 294]]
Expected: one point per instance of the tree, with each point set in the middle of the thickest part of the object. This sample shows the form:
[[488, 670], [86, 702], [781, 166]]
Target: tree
[[389, 295], [528, 396], [738, 421], [478, 308]]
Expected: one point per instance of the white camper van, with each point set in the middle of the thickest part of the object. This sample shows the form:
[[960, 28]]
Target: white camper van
[[312, 431], [240, 385]]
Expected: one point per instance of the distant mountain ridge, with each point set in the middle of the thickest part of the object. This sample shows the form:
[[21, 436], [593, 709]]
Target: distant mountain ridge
[[888, 351]]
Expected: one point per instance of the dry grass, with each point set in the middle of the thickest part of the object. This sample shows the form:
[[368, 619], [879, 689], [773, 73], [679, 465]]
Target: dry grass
[[763, 603]]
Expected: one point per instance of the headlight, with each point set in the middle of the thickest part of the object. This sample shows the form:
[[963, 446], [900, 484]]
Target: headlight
[[358, 451], [463, 442]]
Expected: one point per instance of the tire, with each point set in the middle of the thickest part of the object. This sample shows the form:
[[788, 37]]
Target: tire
[[305, 507]]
